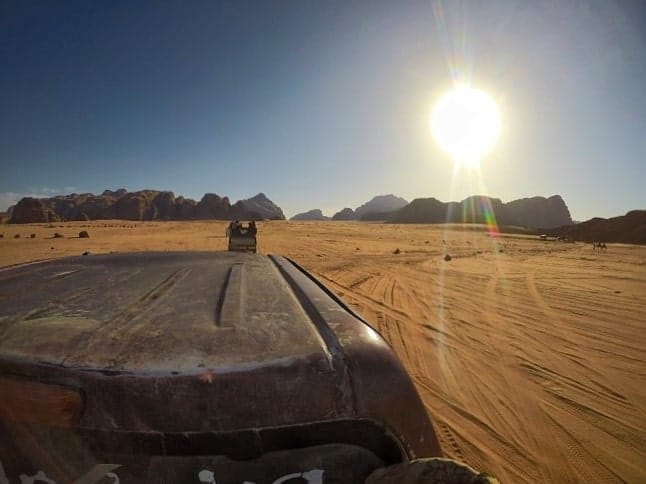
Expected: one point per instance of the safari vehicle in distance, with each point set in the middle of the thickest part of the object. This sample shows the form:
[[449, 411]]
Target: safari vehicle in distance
[[241, 238], [195, 367]]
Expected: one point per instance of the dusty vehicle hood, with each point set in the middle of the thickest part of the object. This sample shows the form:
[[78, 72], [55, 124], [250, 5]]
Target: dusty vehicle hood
[[154, 312], [165, 348]]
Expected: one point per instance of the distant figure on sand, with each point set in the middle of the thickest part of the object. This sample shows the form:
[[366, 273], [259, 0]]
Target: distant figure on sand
[[600, 245]]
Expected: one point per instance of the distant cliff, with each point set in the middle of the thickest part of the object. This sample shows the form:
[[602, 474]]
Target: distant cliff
[[379, 205], [378, 208], [314, 214], [266, 208], [345, 214], [628, 229], [141, 205], [536, 212]]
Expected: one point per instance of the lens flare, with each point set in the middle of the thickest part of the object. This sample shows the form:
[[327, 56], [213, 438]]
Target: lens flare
[[466, 124]]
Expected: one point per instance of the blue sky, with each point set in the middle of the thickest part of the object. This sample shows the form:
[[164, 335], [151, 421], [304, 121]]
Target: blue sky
[[321, 104]]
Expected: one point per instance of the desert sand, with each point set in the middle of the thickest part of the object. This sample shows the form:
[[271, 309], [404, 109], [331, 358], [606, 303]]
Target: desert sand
[[529, 355]]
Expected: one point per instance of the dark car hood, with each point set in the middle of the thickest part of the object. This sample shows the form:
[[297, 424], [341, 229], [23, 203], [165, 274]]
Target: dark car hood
[[169, 347], [154, 312]]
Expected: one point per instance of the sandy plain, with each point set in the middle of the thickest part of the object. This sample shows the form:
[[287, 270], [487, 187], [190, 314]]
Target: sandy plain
[[530, 356]]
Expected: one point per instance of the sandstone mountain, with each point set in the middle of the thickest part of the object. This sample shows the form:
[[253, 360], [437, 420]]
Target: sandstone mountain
[[314, 214], [628, 229], [536, 212], [32, 210], [141, 205], [379, 208], [380, 204], [267, 209], [345, 214]]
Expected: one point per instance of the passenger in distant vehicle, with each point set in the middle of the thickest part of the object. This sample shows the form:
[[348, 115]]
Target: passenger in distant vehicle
[[234, 228], [252, 230]]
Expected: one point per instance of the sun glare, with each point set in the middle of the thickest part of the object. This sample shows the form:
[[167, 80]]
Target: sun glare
[[465, 122]]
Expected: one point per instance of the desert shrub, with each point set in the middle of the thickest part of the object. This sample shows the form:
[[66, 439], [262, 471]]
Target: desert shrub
[[32, 236], [83, 234], [17, 236], [447, 257], [397, 251], [58, 235]]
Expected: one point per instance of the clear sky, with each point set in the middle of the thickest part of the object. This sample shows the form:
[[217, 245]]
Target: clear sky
[[321, 104]]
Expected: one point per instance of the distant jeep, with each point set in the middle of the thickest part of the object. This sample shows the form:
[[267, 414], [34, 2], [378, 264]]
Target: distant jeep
[[241, 238]]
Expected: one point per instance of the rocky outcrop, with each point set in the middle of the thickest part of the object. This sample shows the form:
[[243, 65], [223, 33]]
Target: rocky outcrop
[[212, 206], [264, 207], [345, 214], [627, 229], [536, 212], [314, 214], [114, 194], [132, 206], [381, 204], [185, 208], [164, 206], [32, 210], [141, 205], [380, 207], [239, 211], [421, 210]]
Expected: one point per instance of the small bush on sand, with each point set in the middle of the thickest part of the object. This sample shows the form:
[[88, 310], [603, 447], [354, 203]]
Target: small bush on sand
[[83, 234]]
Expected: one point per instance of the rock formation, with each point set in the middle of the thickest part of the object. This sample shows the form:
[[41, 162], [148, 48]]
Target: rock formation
[[627, 229], [380, 204], [264, 207], [212, 206], [141, 205], [380, 207], [536, 212], [421, 210], [345, 214], [184, 208], [32, 210], [314, 214]]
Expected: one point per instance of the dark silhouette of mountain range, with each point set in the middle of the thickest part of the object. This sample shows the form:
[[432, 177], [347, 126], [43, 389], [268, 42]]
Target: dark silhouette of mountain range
[[378, 208], [549, 215], [526, 212], [142, 205], [314, 214], [627, 229]]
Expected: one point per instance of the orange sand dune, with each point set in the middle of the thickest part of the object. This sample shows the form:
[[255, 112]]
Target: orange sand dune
[[529, 355]]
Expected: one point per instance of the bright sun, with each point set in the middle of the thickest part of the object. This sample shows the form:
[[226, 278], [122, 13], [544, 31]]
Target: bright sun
[[466, 124]]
